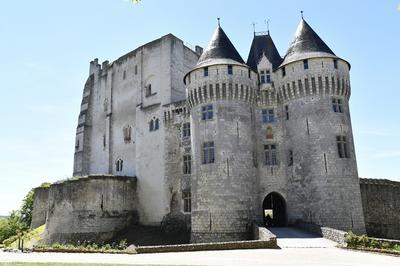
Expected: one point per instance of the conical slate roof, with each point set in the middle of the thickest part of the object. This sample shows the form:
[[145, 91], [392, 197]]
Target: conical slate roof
[[220, 50], [263, 44], [306, 44]]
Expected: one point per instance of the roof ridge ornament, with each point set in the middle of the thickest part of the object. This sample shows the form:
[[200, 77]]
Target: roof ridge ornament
[[267, 24], [254, 28], [302, 14], [219, 22]]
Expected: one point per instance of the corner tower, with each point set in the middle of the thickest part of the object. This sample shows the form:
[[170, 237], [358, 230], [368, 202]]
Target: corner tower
[[314, 91], [221, 94]]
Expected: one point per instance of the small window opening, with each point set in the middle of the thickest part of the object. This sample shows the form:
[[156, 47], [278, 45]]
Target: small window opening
[[208, 152], [305, 63], [270, 154], [207, 112], [230, 70], [205, 72]]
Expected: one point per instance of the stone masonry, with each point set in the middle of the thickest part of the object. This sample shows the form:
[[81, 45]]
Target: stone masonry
[[280, 131]]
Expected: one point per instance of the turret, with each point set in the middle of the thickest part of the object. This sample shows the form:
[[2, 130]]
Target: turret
[[313, 89], [221, 92]]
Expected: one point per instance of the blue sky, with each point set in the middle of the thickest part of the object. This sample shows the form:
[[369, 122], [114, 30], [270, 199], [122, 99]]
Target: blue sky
[[46, 47]]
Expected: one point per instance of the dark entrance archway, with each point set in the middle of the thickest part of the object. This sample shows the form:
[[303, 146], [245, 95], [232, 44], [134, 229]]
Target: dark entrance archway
[[274, 210]]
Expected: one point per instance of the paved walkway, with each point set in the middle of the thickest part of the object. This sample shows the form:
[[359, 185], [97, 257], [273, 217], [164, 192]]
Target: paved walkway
[[254, 257], [289, 237]]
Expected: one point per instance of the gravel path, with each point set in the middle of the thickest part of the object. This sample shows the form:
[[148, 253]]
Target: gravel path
[[255, 257]]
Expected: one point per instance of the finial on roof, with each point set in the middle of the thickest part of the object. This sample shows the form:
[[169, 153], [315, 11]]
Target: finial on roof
[[254, 28], [219, 23], [267, 23], [301, 14]]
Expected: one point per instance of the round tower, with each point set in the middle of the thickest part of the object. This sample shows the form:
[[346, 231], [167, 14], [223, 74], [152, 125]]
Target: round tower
[[314, 90], [221, 95]]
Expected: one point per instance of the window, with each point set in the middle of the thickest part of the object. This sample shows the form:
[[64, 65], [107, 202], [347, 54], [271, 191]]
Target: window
[[119, 164], [249, 72], [337, 105], [206, 71], [270, 133], [268, 76], [151, 125], [207, 112], [187, 201], [208, 152], [148, 90], [305, 63], [343, 148], [262, 77], [230, 70], [335, 63], [265, 76], [127, 130], [268, 115], [186, 130], [154, 124], [287, 111], [77, 144], [187, 164], [270, 154], [124, 75], [135, 69], [283, 71], [290, 158]]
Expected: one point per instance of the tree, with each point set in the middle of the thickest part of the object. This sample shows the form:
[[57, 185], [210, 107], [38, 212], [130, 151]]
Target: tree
[[26, 209]]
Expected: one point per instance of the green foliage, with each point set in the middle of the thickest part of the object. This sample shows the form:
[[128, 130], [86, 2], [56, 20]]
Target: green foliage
[[87, 246], [26, 209], [364, 242], [45, 185], [19, 221], [11, 226]]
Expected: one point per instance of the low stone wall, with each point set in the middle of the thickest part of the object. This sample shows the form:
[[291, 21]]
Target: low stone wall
[[262, 233], [251, 244], [338, 236], [39, 212], [92, 208], [381, 206]]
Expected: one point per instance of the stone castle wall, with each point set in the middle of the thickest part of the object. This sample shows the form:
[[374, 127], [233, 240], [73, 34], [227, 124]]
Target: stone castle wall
[[40, 201], [381, 204], [92, 208]]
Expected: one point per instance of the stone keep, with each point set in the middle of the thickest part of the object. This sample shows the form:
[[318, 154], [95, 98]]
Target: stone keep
[[280, 134], [221, 92]]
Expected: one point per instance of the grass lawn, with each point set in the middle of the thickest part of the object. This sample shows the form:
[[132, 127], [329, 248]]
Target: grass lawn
[[66, 264]]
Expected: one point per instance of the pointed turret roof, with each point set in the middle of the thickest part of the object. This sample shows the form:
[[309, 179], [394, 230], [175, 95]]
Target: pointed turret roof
[[306, 44], [220, 50], [263, 44]]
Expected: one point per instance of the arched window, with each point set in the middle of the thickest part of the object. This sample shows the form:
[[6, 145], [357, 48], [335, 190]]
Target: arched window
[[151, 125], [157, 124], [270, 133], [119, 165]]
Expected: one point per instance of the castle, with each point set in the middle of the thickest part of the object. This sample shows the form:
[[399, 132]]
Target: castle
[[221, 141]]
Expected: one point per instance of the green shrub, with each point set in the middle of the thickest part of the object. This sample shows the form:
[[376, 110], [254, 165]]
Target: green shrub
[[123, 244]]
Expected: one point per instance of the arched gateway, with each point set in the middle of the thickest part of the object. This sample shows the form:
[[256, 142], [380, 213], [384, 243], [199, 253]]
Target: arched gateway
[[274, 210]]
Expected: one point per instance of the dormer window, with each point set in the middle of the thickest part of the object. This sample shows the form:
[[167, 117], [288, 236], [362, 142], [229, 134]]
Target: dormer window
[[268, 76], [335, 63], [265, 76], [305, 63], [262, 77], [206, 71], [230, 70]]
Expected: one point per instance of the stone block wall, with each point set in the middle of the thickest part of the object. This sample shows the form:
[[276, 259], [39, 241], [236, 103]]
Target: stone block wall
[[92, 208], [381, 205], [39, 213]]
